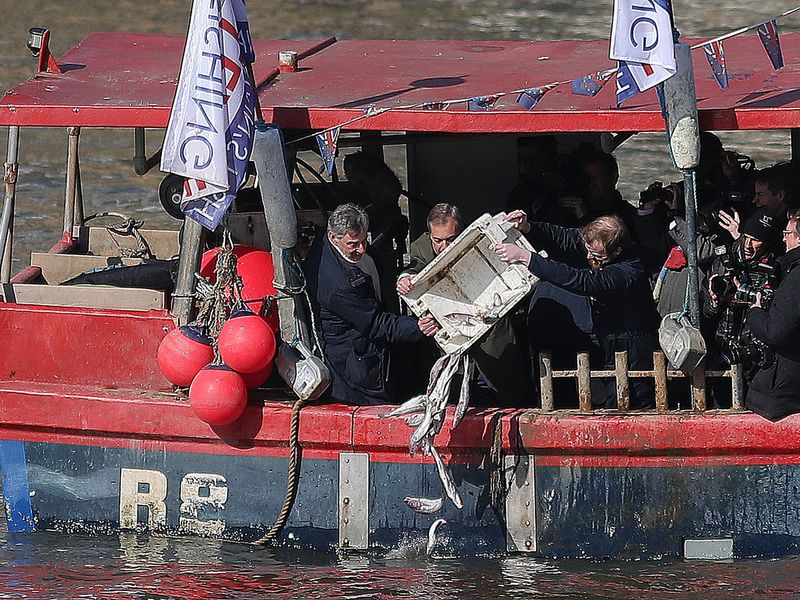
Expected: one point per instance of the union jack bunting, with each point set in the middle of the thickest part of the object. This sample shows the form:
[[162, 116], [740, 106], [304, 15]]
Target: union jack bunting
[[327, 147], [591, 84], [530, 98], [482, 102], [434, 105], [715, 54], [768, 32]]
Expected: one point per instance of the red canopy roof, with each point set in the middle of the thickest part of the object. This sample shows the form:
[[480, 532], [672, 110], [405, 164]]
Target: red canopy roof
[[128, 80]]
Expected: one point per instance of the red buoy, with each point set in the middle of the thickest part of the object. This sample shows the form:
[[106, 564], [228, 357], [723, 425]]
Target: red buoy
[[256, 269], [218, 395], [182, 353], [255, 380], [246, 343]]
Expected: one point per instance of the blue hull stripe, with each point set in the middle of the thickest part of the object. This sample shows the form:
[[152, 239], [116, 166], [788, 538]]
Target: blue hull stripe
[[16, 492]]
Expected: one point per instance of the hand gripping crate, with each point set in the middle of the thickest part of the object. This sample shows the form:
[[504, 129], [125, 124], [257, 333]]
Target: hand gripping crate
[[467, 288]]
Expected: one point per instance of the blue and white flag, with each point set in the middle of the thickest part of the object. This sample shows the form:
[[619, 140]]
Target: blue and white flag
[[530, 97], [642, 33], [591, 84], [482, 102], [633, 78], [210, 133], [715, 54], [768, 32], [327, 141]]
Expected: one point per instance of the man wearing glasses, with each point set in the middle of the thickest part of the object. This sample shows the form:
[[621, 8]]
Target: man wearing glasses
[[499, 356], [775, 390], [600, 262]]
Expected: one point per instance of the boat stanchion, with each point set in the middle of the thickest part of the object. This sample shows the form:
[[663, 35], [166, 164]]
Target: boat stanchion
[[6, 219]]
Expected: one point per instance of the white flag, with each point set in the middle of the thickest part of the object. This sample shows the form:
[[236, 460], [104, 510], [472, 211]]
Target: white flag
[[210, 132], [642, 33]]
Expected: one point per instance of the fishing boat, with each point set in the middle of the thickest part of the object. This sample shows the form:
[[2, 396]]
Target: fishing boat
[[95, 439]]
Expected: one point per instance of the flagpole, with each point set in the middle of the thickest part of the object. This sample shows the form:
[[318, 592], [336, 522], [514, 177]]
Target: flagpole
[[741, 30]]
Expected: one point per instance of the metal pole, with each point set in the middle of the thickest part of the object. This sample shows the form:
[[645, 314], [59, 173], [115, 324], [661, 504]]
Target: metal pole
[[6, 220], [189, 260], [693, 283], [72, 178]]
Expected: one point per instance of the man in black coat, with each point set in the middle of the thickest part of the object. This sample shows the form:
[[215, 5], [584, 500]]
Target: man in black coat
[[775, 390], [614, 280], [357, 332]]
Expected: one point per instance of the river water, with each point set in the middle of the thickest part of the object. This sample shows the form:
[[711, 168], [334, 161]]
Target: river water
[[52, 566]]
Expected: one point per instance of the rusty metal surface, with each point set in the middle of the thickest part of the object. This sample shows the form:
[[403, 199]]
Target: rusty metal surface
[[354, 500]]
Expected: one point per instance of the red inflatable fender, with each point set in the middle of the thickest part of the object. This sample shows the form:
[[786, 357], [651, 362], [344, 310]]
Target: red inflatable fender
[[256, 269], [182, 353], [218, 395]]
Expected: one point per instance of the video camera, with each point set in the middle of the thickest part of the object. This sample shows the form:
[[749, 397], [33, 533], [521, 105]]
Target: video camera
[[655, 192]]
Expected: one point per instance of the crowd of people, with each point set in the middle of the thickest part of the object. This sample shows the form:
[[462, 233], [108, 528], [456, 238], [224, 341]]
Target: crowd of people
[[612, 271]]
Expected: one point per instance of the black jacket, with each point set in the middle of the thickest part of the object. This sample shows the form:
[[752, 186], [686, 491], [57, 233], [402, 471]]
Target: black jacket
[[775, 392], [356, 330], [623, 315], [622, 303]]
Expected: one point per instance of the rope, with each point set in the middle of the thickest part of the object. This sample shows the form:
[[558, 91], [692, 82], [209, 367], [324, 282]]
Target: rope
[[295, 455]]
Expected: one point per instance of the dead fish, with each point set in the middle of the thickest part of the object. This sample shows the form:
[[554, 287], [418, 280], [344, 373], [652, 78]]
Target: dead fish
[[432, 535], [461, 319], [415, 419], [447, 480], [424, 506], [413, 405], [463, 396]]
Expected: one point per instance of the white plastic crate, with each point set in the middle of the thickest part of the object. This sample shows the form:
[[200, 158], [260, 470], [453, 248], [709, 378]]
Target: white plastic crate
[[467, 288]]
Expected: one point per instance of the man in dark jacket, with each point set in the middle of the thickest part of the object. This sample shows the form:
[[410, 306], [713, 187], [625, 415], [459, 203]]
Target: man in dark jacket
[[499, 355], [775, 390], [344, 286], [615, 281]]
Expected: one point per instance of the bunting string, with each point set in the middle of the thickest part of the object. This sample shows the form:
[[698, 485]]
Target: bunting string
[[585, 85]]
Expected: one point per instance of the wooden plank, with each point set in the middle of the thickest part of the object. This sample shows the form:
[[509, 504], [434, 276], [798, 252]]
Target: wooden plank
[[660, 369], [98, 240], [584, 383], [698, 379], [546, 380], [621, 375], [89, 296], [58, 268]]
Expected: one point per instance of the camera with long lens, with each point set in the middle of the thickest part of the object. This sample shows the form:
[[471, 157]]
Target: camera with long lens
[[760, 278], [656, 192], [749, 352], [723, 285]]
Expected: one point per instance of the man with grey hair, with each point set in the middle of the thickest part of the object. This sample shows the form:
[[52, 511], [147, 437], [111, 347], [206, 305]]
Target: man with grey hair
[[343, 283]]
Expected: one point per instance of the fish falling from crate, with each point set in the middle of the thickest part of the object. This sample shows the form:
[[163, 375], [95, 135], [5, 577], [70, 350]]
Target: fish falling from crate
[[426, 414]]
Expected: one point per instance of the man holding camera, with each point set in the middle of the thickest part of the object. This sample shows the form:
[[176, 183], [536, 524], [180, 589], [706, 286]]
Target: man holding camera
[[775, 390], [737, 275]]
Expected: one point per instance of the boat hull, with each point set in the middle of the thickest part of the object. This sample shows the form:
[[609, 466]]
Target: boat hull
[[639, 495]]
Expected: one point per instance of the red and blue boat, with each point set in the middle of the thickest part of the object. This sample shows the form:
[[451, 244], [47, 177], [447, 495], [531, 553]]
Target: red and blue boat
[[93, 438]]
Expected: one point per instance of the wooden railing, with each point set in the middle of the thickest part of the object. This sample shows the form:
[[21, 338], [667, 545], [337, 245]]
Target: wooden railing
[[660, 374]]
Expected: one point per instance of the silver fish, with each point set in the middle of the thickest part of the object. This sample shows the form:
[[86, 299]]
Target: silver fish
[[447, 479], [415, 419], [424, 506], [432, 536], [413, 405], [461, 319], [463, 396]]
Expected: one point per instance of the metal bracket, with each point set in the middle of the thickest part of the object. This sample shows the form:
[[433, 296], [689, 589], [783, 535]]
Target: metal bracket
[[354, 500], [520, 503]]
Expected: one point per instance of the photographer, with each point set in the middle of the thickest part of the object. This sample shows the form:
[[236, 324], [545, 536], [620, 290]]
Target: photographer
[[737, 275], [775, 390]]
